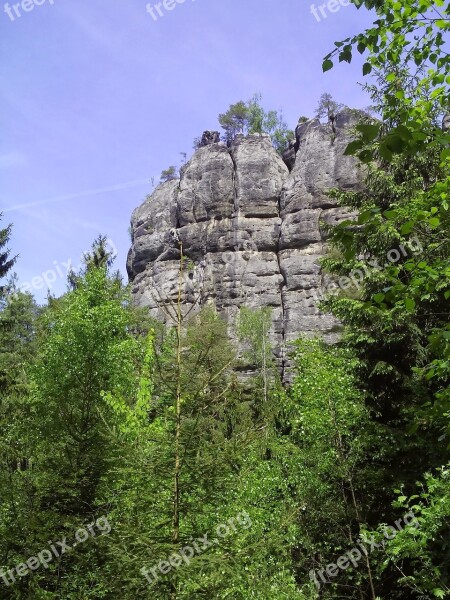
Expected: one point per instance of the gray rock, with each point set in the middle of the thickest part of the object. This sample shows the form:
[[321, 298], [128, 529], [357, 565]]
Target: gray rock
[[260, 173], [289, 155], [209, 137], [250, 230], [206, 187], [446, 122]]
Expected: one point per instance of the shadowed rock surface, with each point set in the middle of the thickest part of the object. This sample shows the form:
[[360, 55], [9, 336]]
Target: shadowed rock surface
[[250, 230]]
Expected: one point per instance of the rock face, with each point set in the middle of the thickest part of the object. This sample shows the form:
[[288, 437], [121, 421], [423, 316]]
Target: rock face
[[209, 137], [249, 228]]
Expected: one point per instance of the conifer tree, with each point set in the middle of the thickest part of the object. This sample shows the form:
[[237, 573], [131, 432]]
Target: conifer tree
[[85, 349], [6, 262]]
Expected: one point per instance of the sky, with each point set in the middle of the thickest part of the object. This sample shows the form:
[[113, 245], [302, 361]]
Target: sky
[[97, 97]]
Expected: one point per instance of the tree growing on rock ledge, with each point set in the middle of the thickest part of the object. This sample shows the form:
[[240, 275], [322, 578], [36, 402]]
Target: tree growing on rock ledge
[[235, 120], [250, 117], [328, 108], [169, 174]]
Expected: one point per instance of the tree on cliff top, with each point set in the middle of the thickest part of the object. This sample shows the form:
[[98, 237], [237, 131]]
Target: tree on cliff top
[[169, 174], [235, 120], [328, 107], [250, 117]]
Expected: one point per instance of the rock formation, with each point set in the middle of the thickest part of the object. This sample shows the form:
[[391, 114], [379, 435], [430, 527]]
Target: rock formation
[[250, 230], [209, 137]]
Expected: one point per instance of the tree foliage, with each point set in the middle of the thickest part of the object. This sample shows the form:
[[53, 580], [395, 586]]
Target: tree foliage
[[250, 117], [161, 429], [406, 37], [169, 174], [328, 107], [6, 261], [397, 254]]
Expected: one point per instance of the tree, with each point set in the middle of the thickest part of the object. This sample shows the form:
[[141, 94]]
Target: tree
[[328, 108], [253, 330], [397, 318], [6, 262], [100, 256], [411, 34], [178, 430], [336, 483], [85, 349], [235, 120], [405, 200], [192, 445], [169, 174], [18, 316], [250, 118], [423, 548]]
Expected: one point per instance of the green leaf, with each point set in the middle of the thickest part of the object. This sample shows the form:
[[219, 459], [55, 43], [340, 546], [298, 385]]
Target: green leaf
[[434, 222], [366, 156], [327, 65], [403, 132], [364, 217], [407, 228], [385, 153], [370, 132], [353, 147], [395, 143], [445, 154], [367, 68], [410, 305]]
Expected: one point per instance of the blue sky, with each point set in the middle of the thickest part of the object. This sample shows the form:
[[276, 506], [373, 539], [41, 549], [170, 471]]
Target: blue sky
[[97, 98]]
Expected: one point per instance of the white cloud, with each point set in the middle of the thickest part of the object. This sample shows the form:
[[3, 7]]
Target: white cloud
[[85, 194]]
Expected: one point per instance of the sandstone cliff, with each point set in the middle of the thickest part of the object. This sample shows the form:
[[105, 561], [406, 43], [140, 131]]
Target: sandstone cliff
[[250, 229]]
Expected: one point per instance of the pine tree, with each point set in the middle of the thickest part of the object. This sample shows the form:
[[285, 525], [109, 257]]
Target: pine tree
[[235, 120], [85, 350], [250, 118], [6, 262], [177, 431], [18, 316], [169, 174], [328, 108]]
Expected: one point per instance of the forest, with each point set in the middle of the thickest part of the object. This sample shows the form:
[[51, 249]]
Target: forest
[[136, 463]]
